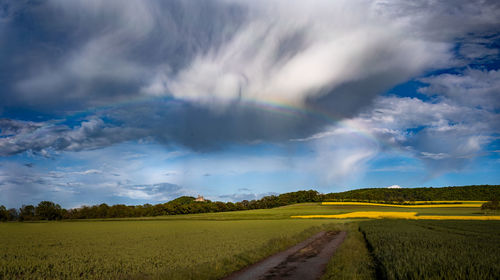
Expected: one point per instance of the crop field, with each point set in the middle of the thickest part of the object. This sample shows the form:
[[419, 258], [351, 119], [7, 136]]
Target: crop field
[[177, 249], [211, 245], [398, 215], [442, 204], [434, 249], [303, 209], [352, 210]]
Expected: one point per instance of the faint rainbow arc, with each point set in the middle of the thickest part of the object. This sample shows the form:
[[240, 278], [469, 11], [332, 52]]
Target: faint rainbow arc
[[276, 107], [304, 111]]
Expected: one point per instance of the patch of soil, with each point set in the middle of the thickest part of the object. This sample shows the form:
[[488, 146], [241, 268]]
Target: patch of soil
[[304, 261]]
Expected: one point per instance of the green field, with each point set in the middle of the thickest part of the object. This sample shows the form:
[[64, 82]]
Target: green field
[[139, 249], [286, 212], [405, 249], [198, 246]]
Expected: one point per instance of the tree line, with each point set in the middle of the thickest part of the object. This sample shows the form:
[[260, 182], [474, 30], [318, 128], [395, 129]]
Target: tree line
[[47, 210], [473, 192]]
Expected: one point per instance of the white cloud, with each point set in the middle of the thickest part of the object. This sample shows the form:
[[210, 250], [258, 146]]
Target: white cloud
[[477, 51], [340, 157], [434, 155], [473, 88], [160, 192], [290, 52], [87, 172], [283, 51], [446, 132]]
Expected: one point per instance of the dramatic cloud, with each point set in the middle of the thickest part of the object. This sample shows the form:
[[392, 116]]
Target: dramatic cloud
[[219, 56], [42, 137], [312, 37], [445, 133], [454, 126], [330, 86], [84, 53], [97, 52]]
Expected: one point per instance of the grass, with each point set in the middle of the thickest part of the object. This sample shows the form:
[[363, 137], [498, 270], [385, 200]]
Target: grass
[[189, 249], [352, 259], [278, 213], [286, 212], [405, 249], [209, 246]]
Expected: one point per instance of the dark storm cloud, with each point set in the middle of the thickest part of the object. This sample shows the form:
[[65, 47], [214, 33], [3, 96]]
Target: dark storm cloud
[[334, 57], [63, 55], [166, 122]]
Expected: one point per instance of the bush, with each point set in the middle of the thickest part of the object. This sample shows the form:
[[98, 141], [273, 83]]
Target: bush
[[491, 205]]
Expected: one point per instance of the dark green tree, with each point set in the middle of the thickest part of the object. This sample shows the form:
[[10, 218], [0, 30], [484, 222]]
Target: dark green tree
[[13, 214], [48, 210], [27, 213], [4, 214]]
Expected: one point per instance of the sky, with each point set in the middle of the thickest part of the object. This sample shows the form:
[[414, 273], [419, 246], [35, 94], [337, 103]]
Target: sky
[[143, 101]]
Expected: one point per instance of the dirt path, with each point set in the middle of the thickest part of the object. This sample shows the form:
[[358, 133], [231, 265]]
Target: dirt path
[[304, 261]]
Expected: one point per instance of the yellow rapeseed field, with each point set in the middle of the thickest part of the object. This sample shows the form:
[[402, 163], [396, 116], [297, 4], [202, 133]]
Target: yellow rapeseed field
[[449, 201], [471, 205], [366, 214], [477, 218], [396, 215]]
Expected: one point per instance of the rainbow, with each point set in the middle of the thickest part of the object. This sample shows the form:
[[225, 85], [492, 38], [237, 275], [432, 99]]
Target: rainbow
[[280, 108], [293, 111]]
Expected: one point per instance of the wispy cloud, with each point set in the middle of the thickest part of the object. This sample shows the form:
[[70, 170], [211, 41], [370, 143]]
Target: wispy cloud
[[334, 56], [160, 192], [198, 79]]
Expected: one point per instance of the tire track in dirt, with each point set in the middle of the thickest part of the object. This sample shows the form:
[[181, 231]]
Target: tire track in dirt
[[304, 261]]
